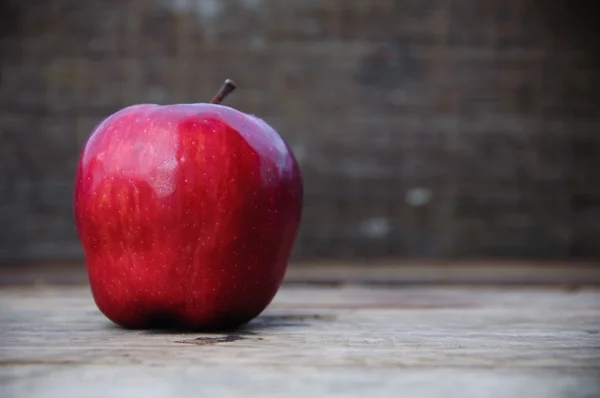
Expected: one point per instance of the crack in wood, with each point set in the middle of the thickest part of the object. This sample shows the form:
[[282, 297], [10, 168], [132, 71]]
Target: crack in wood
[[214, 340]]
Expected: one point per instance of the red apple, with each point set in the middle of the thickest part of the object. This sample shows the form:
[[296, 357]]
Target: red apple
[[187, 214]]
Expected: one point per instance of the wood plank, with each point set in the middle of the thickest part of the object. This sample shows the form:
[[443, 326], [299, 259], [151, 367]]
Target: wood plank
[[391, 273], [482, 272], [330, 341]]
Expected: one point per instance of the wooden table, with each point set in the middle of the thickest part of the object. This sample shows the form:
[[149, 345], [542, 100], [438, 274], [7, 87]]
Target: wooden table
[[425, 330]]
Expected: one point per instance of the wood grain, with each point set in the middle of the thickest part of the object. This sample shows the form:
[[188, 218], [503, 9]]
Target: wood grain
[[385, 273], [343, 340]]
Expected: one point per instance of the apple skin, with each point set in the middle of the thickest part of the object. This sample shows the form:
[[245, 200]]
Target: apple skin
[[187, 215]]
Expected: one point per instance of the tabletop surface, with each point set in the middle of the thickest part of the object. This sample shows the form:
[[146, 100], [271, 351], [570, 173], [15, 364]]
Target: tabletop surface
[[368, 334]]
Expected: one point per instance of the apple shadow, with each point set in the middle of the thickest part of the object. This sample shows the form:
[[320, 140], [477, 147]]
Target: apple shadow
[[267, 322], [257, 326]]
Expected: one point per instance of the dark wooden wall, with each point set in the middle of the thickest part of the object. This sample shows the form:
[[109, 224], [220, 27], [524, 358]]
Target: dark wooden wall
[[424, 128]]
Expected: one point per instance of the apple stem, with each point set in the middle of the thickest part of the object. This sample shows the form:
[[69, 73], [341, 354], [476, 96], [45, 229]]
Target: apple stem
[[226, 89]]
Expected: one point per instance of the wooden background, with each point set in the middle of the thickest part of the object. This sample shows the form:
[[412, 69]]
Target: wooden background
[[485, 113]]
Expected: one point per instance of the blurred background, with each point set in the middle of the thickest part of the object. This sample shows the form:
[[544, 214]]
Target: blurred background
[[424, 129]]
